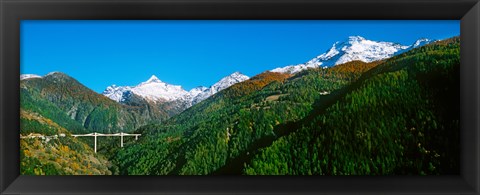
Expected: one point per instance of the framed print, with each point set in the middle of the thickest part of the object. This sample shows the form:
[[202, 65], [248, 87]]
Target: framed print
[[243, 97]]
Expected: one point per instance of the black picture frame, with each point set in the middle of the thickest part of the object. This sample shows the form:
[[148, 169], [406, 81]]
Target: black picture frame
[[12, 11]]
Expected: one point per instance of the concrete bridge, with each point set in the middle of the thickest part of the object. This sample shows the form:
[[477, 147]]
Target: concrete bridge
[[95, 135]]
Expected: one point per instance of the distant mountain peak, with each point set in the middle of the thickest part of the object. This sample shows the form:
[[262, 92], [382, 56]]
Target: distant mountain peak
[[351, 49], [236, 73], [153, 79], [155, 90], [199, 94], [421, 42], [115, 92], [356, 38], [228, 81]]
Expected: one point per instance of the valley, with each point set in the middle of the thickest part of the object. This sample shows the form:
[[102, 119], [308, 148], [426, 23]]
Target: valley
[[361, 108]]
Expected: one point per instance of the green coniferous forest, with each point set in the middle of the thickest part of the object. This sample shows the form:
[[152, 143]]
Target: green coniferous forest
[[398, 116]]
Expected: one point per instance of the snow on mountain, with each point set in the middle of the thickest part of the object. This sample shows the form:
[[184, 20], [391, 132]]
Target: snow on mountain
[[116, 93], [29, 76], [228, 81], [292, 69], [422, 42], [200, 94], [354, 48], [197, 90], [153, 90], [156, 90]]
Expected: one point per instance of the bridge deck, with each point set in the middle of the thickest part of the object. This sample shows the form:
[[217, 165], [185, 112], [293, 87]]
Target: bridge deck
[[95, 134]]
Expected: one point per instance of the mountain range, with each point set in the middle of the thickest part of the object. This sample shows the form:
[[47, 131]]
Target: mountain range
[[397, 116], [155, 100], [354, 48], [155, 90], [394, 115]]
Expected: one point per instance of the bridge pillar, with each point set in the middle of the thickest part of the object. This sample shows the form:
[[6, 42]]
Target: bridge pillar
[[136, 137], [95, 136], [121, 139]]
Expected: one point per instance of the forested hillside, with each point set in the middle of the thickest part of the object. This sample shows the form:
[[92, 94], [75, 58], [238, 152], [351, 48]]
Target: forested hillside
[[46, 148], [401, 118], [62, 98], [57, 105], [397, 116], [217, 134]]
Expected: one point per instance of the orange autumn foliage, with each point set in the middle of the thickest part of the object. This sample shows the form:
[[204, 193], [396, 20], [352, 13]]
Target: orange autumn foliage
[[255, 83]]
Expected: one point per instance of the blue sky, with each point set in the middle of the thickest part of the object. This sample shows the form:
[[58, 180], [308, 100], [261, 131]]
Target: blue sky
[[193, 53]]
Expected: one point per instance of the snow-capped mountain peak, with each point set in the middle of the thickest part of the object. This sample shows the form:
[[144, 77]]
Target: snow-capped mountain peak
[[237, 74], [421, 42], [153, 79], [353, 48], [201, 93], [228, 81], [155, 90], [115, 92], [355, 39]]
